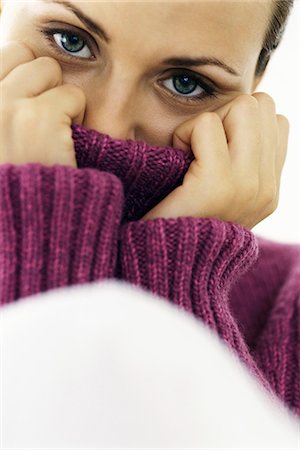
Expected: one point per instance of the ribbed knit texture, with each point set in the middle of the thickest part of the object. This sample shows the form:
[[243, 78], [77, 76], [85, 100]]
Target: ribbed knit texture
[[58, 226], [62, 226]]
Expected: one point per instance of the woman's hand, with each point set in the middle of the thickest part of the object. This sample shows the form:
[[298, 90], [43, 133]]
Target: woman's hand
[[239, 150], [36, 109]]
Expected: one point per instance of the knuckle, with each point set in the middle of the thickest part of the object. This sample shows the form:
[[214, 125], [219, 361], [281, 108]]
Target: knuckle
[[275, 203], [266, 98], [20, 48], [208, 117], [271, 208], [283, 121], [52, 64], [247, 101], [268, 195]]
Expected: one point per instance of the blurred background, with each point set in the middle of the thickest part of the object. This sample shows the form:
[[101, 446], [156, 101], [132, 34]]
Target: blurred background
[[282, 82]]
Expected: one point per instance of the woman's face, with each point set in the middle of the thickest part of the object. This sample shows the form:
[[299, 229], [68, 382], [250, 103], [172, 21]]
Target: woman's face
[[128, 57]]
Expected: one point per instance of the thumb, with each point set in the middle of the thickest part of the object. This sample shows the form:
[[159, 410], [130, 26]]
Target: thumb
[[185, 135], [79, 118], [182, 135], [77, 112]]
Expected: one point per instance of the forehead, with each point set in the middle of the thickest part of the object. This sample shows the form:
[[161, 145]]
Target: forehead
[[216, 26], [192, 19], [178, 14], [232, 30]]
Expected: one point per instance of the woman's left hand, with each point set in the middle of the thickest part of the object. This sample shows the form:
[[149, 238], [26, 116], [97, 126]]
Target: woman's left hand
[[239, 150]]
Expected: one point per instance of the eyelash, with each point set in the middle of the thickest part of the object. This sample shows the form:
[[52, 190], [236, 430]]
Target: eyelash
[[209, 91]]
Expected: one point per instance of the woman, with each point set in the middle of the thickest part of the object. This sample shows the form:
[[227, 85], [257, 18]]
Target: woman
[[188, 161]]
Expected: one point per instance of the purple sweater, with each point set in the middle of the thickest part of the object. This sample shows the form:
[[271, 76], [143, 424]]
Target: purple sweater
[[62, 226]]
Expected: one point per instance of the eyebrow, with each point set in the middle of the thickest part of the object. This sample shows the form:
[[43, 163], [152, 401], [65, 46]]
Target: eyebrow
[[87, 21], [204, 61], [173, 61]]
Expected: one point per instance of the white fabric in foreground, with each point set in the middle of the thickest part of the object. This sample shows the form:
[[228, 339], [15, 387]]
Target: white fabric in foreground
[[108, 365]]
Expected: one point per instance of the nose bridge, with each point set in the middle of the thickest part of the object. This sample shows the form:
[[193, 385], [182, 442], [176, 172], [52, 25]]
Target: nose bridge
[[113, 108]]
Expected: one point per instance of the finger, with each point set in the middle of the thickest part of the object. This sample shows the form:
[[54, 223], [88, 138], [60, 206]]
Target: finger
[[209, 143], [268, 120], [283, 137], [206, 137], [280, 156], [13, 54], [269, 143], [33, 78], [68, 99], [181, 138], [242, 128]]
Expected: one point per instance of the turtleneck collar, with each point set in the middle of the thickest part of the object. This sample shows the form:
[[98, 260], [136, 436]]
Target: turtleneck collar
[[148, 173]]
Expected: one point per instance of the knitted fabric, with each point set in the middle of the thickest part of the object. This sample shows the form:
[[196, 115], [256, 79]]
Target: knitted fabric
[[63, 226]]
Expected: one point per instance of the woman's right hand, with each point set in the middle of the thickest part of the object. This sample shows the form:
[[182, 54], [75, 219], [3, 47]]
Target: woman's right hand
[[37, 110]]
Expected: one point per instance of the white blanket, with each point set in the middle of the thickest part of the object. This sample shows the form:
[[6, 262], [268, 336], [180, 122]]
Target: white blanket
[[107, 365]]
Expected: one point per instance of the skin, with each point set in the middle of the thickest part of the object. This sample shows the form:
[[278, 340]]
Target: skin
[[123, 96], [127, 92]]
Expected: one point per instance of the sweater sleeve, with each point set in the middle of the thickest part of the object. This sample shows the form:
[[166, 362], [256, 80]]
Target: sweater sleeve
[[58, 226], [266, 305], [193, 262]]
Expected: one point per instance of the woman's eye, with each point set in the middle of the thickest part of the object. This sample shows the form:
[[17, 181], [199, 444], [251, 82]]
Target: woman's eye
[[186, 84], [72, 44]]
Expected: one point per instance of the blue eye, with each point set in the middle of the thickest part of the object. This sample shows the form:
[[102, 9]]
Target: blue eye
[[70, 42], [186, 83], [74, 46]]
